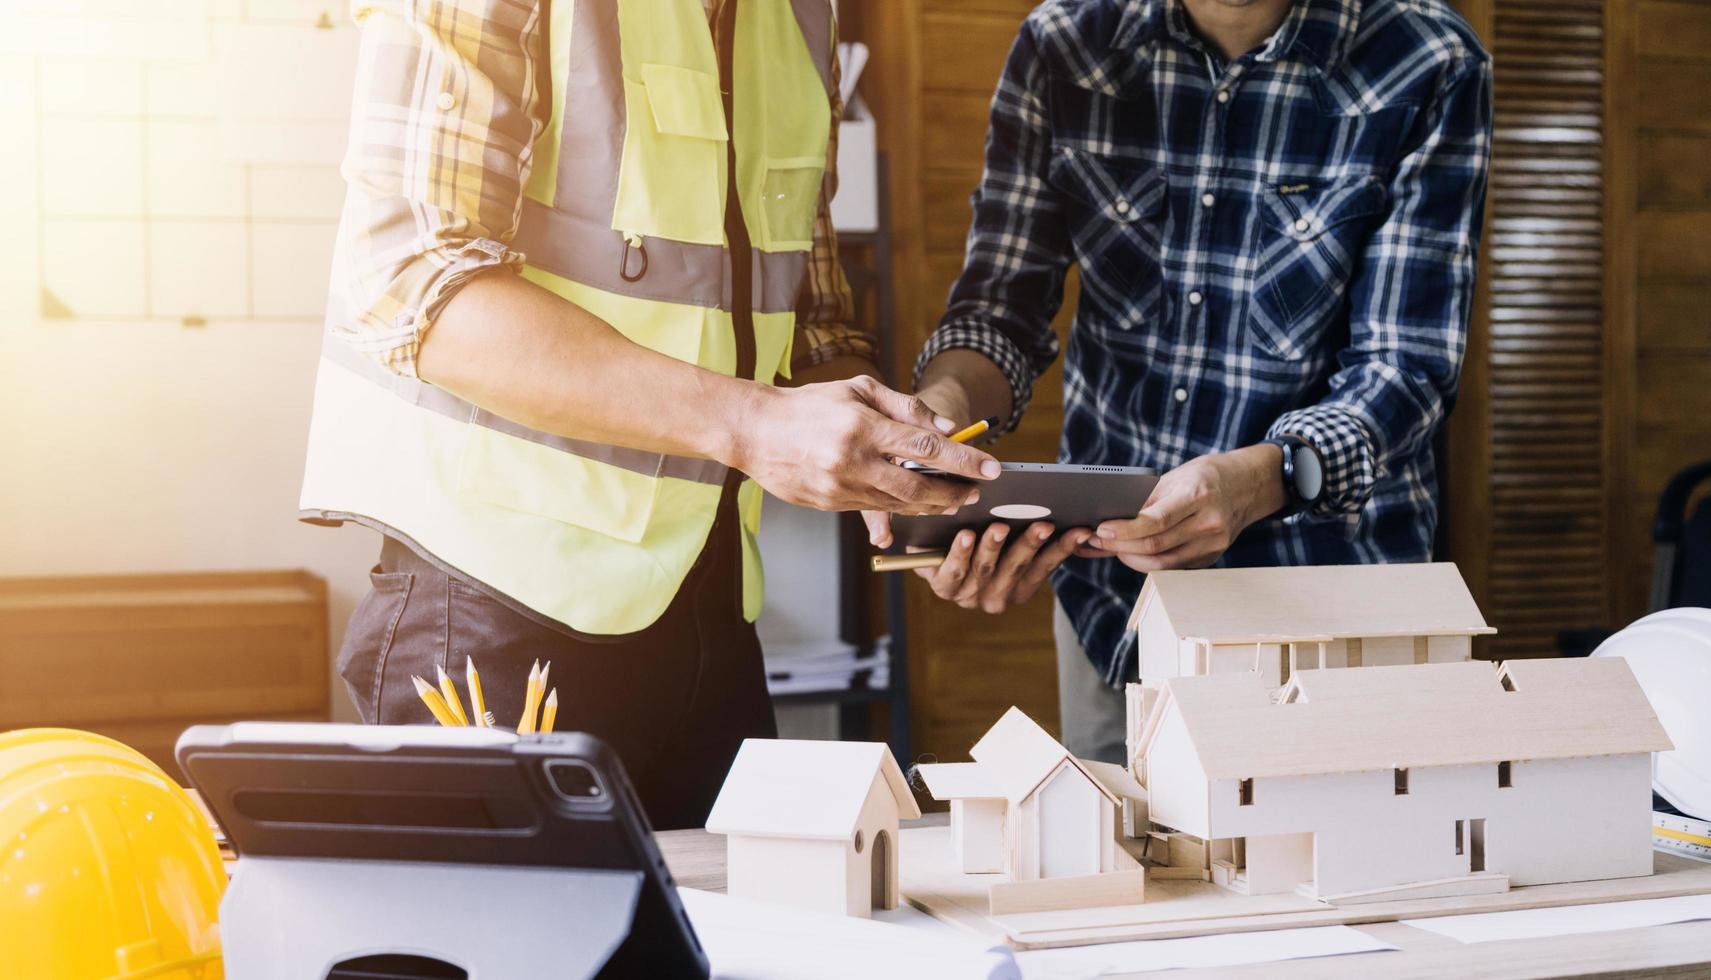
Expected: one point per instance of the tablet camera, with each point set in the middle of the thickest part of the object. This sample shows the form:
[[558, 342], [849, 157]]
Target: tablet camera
[[575, 782]]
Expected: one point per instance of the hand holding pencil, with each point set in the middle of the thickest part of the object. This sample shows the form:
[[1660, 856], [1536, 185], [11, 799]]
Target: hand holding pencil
[[929, 559]]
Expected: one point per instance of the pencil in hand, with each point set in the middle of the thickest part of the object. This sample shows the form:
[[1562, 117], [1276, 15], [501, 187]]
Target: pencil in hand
[[902, 563], [973, 431]]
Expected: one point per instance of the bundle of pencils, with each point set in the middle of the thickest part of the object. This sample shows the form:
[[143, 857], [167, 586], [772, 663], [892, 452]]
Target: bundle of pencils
[[447, 708]]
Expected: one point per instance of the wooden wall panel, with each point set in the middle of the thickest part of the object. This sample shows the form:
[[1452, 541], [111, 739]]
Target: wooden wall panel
[[1672, 30], [1672, 170], [1660, 235], [1667, 94], [1674, 316]]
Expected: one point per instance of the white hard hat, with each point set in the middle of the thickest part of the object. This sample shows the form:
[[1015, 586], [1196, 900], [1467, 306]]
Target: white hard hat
[[1670, 653]]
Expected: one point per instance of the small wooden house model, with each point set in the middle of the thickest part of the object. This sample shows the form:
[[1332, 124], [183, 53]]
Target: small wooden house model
[[1048, 821], [1276, 621], [1416, 781], [813, 824]]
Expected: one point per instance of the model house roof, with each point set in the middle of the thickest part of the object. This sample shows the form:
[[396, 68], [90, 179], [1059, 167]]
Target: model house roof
[[1366, 718], [957, 781], [1308, 603], [1016, 755], [1114, 778], [802, 788], [968, 780]]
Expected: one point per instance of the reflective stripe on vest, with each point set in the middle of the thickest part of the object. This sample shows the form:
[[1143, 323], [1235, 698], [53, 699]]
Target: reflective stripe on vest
[[439, 400], [623, 216]]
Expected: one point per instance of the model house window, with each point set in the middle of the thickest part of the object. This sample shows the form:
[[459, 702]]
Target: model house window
[[1508, 683], [1401, 782], [1505, 775], [1458, 837], [1245, 792]]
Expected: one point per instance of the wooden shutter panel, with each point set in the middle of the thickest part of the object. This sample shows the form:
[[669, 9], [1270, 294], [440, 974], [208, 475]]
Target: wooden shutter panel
[[1546, 564]]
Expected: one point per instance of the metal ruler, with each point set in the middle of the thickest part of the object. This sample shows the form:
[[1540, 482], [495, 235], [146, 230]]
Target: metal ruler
[[1681, 835]]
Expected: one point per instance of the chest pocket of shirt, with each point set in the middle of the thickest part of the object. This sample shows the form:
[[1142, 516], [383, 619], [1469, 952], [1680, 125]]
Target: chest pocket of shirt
[[1310, 239], [1115, 220]]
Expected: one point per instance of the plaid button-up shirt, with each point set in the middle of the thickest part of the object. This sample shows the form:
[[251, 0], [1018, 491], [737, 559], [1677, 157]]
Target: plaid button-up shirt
[[451, 96], [1283, 243]]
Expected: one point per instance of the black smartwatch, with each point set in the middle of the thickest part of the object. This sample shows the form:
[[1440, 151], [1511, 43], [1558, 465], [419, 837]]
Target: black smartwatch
[[1303, 473]]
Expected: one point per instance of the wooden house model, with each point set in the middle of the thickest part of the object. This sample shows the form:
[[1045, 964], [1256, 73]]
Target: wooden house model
[[1046, 821], [1276, 621], [813, 824], [1414, 781]]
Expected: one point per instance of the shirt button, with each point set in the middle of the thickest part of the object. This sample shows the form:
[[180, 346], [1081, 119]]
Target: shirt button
[[1302, 224], [1194, 298], [1181, 395], [1122, 206], [446, 101], [1223, 95], [1206, 200]]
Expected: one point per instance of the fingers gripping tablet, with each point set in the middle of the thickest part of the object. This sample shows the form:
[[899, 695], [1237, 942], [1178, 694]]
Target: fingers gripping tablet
[[1066, 494]]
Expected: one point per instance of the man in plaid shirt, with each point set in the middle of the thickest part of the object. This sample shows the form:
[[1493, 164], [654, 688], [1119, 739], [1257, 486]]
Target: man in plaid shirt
[[1274, 207]]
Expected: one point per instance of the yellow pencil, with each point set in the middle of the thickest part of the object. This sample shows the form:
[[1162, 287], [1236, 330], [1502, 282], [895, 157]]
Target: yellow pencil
[[976, 429], [531, 701], [435, 703], [455, 703], [549, 711], [477, 702], [541, 688]]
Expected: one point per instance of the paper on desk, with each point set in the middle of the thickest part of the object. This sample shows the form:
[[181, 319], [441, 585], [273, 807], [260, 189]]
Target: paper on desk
[[1229, 949], [1485, 927], [757, 941]]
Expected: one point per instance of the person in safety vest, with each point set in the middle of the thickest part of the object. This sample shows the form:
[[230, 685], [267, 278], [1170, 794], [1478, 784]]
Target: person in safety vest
[[580, 242]]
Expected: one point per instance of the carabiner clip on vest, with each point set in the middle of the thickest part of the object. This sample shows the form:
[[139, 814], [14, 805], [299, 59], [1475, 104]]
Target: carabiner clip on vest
[[632, 241]]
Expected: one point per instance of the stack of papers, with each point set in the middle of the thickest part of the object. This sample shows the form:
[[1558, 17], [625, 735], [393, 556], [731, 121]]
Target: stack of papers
[[826, 665], [1567, 920], [748, 940], [755, 941]]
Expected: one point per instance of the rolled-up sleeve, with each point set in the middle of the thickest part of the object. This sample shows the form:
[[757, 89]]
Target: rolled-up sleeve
[[445, 115], [1018, 247], [1409, 303]]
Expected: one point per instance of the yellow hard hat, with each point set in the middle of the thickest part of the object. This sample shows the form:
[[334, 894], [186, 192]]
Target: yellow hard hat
[[107, 868]]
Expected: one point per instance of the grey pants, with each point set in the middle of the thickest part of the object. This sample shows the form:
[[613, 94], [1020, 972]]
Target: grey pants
[[1093, 715]]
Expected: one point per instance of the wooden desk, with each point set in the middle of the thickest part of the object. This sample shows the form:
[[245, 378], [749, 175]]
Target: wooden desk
[[697, 860]]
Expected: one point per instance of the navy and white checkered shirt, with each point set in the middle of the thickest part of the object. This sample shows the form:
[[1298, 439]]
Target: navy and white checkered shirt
[[1283, 243]]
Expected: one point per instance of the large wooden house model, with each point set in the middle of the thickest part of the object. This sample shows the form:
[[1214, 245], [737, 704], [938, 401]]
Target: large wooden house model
[[1277, 621], [1414, 781]]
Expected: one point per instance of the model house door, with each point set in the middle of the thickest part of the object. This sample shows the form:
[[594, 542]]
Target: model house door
[[1470, 842], [1069, 825]]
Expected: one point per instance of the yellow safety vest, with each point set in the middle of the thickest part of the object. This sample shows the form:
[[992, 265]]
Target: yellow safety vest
[[625, 216]]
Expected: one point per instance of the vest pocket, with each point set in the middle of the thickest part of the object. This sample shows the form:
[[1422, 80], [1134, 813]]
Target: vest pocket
[[520, 475], [790, 200], [1307, 256], [671, 180]]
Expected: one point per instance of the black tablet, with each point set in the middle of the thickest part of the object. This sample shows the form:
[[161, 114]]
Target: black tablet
[[1069, 495], [452, 795]]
